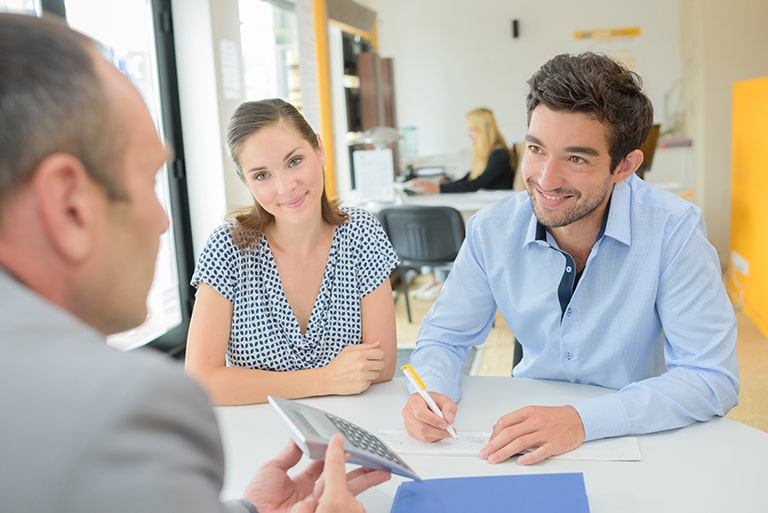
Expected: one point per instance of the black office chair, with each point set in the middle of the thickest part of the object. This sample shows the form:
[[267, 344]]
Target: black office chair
[[423, 236]]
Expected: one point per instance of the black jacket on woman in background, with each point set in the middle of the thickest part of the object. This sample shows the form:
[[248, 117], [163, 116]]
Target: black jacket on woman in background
[[498, 174]]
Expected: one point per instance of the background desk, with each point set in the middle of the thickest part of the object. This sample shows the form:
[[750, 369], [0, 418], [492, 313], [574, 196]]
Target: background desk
[[718, 466], [465, 202]]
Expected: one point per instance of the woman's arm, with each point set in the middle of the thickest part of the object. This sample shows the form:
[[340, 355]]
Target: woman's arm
[[378, 318], [350, 372], [498, 174]]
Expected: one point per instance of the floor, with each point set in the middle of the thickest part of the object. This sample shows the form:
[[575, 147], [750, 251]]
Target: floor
[[495, 356]]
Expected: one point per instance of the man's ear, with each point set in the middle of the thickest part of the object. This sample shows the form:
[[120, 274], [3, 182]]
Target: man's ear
[[629, 165], [68, 205]]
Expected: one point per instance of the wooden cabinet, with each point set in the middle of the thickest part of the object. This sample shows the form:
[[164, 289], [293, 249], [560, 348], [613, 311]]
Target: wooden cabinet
[[377, 91]]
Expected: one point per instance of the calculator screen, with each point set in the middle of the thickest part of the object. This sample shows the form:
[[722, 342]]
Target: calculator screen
[[306, 423]]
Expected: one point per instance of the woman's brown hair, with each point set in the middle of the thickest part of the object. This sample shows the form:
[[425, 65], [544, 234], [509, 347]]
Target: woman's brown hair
[[248, 119]]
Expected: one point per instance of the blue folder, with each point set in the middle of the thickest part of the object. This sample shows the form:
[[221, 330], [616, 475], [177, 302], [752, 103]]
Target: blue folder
[[529, 493]]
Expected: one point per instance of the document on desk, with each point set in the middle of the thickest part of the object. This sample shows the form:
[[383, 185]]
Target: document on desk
[[470, 443], [467, 444], [531, 493], [374, 174]]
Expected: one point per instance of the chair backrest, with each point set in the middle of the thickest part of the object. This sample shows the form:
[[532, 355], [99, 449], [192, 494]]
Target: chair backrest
[[424, 235], [518, 150]]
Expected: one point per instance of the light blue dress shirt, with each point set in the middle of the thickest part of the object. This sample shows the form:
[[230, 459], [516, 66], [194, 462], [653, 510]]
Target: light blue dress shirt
[[649, 315]]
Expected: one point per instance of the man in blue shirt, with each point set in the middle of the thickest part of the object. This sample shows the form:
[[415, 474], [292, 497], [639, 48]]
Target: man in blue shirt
[[603, 278]]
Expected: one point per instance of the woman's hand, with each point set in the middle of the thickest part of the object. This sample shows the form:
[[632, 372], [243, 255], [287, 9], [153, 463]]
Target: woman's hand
[[422, 186], [354, 368]]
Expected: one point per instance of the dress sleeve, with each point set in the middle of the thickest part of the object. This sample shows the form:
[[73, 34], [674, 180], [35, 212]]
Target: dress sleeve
[[375, 256], [216, 263], [498, 174]]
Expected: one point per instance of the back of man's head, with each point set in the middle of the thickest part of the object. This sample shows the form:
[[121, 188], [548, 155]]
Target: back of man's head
[[51, 101]]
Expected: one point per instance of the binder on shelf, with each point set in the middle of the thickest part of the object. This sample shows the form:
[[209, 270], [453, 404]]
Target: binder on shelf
[[532, 493]]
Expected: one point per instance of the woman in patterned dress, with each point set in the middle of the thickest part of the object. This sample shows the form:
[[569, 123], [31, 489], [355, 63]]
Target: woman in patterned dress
[[293, 296]]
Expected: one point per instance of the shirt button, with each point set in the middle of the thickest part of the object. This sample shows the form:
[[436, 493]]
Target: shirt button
[[568, 268], [569, 356], [569, 312]]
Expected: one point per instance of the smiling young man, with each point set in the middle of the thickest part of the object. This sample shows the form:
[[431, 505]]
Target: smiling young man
[[603, 278]]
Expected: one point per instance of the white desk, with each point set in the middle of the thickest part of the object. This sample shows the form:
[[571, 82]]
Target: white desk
[[715, 467], [465, 202]]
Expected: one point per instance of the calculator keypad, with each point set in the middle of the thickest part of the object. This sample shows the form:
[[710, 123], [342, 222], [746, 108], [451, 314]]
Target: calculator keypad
[[362, 439]]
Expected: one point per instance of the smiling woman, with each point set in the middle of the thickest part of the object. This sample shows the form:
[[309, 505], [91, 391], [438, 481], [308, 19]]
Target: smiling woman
[[293, 294]]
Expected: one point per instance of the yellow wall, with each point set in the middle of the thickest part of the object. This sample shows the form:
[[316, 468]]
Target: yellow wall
[[324, 93], [749, 205], [327, 131]]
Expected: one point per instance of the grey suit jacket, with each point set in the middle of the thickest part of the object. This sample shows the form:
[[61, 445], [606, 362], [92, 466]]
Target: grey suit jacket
[[87, 429]]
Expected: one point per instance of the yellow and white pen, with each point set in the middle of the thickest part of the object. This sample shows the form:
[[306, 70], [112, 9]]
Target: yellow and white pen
[[421, 388]]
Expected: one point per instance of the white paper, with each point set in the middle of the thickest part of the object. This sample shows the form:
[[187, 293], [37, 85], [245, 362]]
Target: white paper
[[374, 174], [470, 443]]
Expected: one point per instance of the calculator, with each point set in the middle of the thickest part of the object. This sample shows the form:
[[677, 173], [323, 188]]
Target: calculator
[[312, 428]]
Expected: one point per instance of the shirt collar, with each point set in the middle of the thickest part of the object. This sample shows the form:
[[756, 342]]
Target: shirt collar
[[616, 222]]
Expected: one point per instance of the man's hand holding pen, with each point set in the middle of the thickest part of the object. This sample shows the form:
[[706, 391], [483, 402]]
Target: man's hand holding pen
[[422, 423]]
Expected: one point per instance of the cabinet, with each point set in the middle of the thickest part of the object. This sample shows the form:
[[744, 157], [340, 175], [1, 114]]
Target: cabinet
[[377, 91], [363, 99], [368, 85], [747, 278]]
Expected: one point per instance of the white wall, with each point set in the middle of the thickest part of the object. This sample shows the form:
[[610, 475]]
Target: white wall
[[723, 42], [465, 53], [214, 189], [453, 56]]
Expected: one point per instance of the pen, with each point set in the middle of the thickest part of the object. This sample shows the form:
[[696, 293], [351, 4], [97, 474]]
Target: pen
[[421, 388]]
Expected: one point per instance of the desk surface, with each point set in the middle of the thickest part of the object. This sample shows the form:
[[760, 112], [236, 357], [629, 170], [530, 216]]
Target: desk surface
[[710, 467], [465, 202]]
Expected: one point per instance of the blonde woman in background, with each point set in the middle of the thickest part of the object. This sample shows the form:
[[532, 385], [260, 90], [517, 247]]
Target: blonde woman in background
[[293, 298], [491, 159]]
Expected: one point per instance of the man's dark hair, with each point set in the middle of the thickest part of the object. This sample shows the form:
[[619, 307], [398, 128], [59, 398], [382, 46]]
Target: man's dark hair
[[600, 87]]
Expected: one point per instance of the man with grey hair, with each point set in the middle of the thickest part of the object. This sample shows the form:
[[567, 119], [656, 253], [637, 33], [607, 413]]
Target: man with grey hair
[[87, 429]]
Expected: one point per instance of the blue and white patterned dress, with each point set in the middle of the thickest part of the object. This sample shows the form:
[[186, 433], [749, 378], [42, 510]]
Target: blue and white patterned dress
[[265, 333]]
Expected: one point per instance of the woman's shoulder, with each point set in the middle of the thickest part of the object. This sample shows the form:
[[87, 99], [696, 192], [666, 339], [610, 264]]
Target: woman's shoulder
[[223, 237], [221, 234], [361, 225], [500, 151], [357, 216]]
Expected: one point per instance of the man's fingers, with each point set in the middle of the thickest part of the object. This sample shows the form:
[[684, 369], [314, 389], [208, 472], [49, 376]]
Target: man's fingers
[[421, 423], [361, 479], [535, 456], [509, 441], [312, 471], [288, 457], [308, 505], [446, 406], [334, 474]]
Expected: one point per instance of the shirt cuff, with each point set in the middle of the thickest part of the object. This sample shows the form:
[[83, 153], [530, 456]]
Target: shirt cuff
[[440, 370], [241, 505], [602, 417]]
